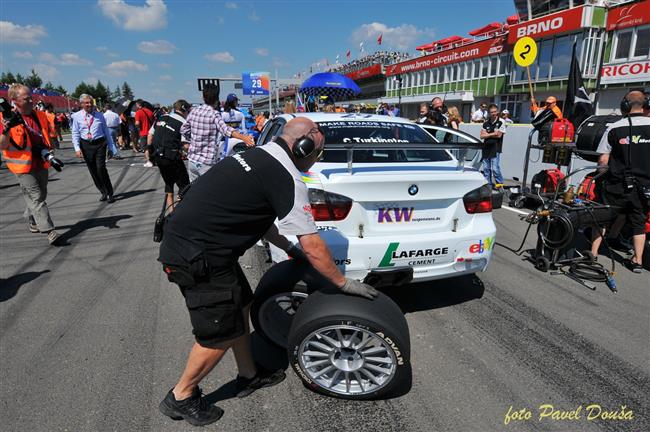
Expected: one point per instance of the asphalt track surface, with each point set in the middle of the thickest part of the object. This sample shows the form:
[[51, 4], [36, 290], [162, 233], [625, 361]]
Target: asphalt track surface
[[92, 335]]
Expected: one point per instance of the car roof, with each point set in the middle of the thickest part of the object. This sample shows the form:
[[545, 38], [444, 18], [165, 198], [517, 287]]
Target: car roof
[[320, 117]]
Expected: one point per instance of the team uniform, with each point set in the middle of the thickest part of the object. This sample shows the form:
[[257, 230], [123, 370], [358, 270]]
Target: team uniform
[[166, 151], [235, 119], [628, 160], [213, 226], [491, 152]]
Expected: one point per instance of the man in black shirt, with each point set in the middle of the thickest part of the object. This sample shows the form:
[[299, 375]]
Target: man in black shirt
[[492, 135], [227, 210], [625, 148]]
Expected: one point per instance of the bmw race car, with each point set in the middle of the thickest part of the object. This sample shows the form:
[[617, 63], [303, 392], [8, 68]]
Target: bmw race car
[[392, 202]]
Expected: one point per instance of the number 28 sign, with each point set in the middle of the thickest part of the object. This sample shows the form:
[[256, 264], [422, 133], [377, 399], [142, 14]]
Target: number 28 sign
[[255, 83]]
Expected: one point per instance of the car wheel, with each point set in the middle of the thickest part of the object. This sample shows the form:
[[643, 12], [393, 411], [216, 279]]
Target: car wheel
[[277, 297], [350, 347]]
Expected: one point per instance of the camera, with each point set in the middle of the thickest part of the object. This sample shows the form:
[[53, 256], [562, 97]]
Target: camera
[[9, 115], [56, 163]]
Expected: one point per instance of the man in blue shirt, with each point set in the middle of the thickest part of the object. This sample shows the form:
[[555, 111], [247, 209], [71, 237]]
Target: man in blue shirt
[[90, 136]]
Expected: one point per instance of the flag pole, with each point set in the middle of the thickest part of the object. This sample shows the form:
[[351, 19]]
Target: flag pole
[[530, 82]]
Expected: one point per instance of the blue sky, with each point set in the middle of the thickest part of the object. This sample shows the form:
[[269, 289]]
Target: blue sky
[[160, 47]]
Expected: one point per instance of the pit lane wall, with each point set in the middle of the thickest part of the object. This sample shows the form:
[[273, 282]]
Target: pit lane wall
[[514, 152]]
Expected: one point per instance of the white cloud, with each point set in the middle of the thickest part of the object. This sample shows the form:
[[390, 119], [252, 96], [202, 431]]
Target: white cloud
[[65, 59], [47, 72], [91, 80], [223, 57], [165, 77], [157, 47], [221, 20], [164, 65], [121, 68], [17, 34], [402, 37], [231, 5], [151, 16], [253, 16], [23, 54], [262, 52]]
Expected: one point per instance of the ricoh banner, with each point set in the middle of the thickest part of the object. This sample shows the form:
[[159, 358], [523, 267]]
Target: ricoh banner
[[635, 71]]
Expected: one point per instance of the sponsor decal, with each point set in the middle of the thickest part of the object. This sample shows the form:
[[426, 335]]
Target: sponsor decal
[[325, 228], [482, 246], [393, 253], [626, 72], [242, 162], [394, 347], [560, 22], [374, 140], [342, 261], [629, 15], [395, 214], [310, 177]]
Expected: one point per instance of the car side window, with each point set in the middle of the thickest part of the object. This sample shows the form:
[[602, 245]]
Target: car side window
[[273, 128]]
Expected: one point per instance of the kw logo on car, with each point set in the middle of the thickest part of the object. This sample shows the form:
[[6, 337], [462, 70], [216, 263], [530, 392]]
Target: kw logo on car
[[393, 253], [482, 245], [395, 214]]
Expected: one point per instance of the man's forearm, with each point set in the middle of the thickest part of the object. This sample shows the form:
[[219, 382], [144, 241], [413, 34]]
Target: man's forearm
[[274, 237], [320, 258]]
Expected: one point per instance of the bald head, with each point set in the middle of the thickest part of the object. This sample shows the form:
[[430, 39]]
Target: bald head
[[636, 98], [297, 128]]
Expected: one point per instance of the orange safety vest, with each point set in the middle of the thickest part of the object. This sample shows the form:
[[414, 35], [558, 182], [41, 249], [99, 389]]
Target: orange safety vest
[[50, 119], [19, 160]]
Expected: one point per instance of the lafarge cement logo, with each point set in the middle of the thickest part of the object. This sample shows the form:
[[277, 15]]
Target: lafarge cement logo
[[410, 257]]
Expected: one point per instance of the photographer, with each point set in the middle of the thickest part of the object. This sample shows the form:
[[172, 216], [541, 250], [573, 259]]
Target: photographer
[[438, 112], [26, 149], [625, 148]]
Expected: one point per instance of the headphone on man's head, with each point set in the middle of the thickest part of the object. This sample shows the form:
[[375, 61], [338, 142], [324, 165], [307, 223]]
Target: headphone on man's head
[[625, 103], [303, 147]]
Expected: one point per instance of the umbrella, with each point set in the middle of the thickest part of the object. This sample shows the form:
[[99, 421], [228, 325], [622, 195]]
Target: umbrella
[[336, 86], [122, 105]]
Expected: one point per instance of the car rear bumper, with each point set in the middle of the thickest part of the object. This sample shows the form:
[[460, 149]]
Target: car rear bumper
[[431, 255]]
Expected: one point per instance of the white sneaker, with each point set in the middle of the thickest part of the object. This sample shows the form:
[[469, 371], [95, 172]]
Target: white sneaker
[[147, 164]]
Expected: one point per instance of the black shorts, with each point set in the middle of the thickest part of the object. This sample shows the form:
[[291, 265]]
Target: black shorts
[[631, 205], [173, 173], [215, 301]]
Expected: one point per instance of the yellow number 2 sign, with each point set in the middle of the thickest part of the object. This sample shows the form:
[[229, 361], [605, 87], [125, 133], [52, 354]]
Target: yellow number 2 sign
[[525, 51]]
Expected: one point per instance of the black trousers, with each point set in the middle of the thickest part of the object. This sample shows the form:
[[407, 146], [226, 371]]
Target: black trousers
[[94, 153]]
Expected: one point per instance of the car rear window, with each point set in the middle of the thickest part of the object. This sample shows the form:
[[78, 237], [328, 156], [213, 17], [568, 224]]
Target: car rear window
[[369, 132]]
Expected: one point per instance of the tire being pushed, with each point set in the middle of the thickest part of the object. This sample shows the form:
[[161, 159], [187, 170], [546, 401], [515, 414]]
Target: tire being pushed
[[350, 347]]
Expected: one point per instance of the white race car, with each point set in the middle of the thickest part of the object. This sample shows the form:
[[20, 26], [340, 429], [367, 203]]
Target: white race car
[[392, 202]]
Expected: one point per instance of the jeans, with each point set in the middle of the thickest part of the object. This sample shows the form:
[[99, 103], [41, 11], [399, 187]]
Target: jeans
[[34, 187], [491, 167], [197, 169]]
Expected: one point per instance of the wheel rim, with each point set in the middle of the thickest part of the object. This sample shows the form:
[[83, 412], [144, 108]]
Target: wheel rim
[[347, 360], [276, 315]]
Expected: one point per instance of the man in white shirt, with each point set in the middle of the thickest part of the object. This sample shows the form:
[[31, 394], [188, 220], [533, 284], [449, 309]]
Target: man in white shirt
[[481, 114], [113, 123]]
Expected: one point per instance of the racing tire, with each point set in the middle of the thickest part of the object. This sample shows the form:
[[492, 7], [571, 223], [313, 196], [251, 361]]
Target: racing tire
[[350, 347], [277, 298], [519, 202], [542, 264]]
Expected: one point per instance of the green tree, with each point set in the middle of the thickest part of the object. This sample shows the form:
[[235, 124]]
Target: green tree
[[8, 77], [101, 93], [126, 91], [81, 89], [48, 86], [20, 79], [116, 94], [33, 80], [61, 89]]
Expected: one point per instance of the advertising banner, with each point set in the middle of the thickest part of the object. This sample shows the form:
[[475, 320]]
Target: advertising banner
[[628, 15], [560, 22], [368, 72], [256, 83], [466, 52], [636, 71]]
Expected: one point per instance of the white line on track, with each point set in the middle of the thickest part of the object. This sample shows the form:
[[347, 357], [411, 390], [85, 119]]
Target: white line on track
[[514, 210]]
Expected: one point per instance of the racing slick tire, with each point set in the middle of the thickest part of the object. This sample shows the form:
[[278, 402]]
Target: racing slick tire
[[277, 298], [350, 347]]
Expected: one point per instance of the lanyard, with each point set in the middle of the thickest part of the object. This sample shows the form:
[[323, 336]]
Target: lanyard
[[92, 119]]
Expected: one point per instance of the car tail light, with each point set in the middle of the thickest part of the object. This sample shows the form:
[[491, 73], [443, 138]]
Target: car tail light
[[478, 200], [328, 206]]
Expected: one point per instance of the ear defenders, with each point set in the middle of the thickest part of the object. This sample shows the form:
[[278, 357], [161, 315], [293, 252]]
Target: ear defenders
[[303, 147], [625, 103]]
